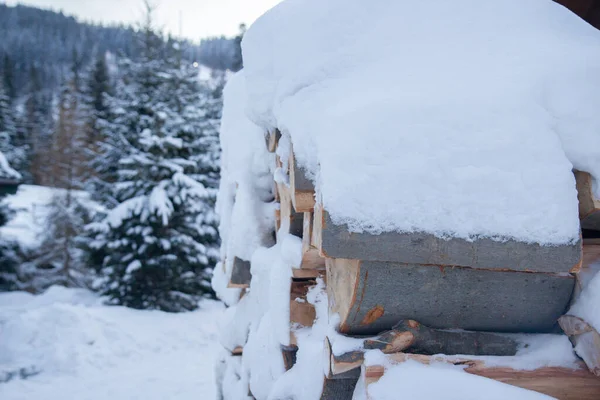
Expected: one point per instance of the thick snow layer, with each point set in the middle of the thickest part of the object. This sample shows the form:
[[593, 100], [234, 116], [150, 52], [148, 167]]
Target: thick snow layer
[[68, 345], [31, 204], [438, 381], [460, 118], [245, 201]]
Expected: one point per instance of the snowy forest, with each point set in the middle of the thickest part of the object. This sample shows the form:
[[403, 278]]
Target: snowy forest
[[114, 131]]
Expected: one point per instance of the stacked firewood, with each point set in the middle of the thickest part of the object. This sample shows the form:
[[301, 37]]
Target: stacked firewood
[[414, 296]]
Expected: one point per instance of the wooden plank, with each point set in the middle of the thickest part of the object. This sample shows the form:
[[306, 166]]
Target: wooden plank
[[372, 296], [589, 204], [559, 382], [311, 259], [336, 241], [585, 339], [272, 139], [302, 189], [240, 274]]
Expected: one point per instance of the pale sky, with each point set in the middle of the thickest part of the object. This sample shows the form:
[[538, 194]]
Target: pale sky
[[200, 18]]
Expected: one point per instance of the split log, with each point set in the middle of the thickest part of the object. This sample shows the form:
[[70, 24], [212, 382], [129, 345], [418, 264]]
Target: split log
[[589, 268], [238, 351], [302, 188], [240, 274], [589, 204], [424, 340], [289, 356], [338, 389], [372, 296], [585, 339], [559, 382], [302, 313], [272, 139], [336, 241], [290, 219]]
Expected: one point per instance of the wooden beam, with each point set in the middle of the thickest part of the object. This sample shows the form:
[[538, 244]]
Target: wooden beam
[[372, 296], [589, 204], [585, 339], [559, 382], [272, 139], [424, 340], [289, 356], [302, 188], [338, 389], [336, 241], [240, 274]]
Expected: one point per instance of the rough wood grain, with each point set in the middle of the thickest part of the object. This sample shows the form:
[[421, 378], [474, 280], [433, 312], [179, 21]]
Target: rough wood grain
[[311, 259], [589, 205], [302, 189], [585, 339], [372, 296], [240, 273], [336, 241], [559, 382], [423, 340]]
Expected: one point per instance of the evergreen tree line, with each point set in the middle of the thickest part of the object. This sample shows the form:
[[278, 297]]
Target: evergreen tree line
[[132, 145]]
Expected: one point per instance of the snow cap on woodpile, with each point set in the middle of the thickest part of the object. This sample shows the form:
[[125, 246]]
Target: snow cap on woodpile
[[461, 119]]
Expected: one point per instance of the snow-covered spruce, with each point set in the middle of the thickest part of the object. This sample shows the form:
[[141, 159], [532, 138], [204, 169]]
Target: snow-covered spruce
[[159, 243]]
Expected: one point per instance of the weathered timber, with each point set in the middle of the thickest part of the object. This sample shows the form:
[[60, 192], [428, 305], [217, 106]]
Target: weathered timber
[[585, 339], [559, 382], [302, 188], [589, 268], [372, 296], [338, 389], [336, 241], [289, 356], [589, 204], [272, 139], [424, 340], [290, 220], [240, 273]]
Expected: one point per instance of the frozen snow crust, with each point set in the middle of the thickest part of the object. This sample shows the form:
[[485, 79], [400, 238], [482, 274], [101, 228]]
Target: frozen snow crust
[[460, 119]]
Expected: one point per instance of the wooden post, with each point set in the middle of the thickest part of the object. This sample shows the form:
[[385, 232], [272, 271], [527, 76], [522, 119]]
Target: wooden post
[[372, 296], [589, 268], [559, 382], [336, 241], [589, 204]]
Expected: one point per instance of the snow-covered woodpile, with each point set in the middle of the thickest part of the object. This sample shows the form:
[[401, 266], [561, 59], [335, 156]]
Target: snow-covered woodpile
[[423, 222]]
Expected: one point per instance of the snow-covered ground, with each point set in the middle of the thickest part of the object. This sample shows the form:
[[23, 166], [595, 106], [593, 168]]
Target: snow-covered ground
[[70, 346]]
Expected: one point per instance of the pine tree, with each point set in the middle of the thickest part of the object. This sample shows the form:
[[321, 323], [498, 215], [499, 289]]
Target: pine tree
[[8, 132], [160, 241]]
